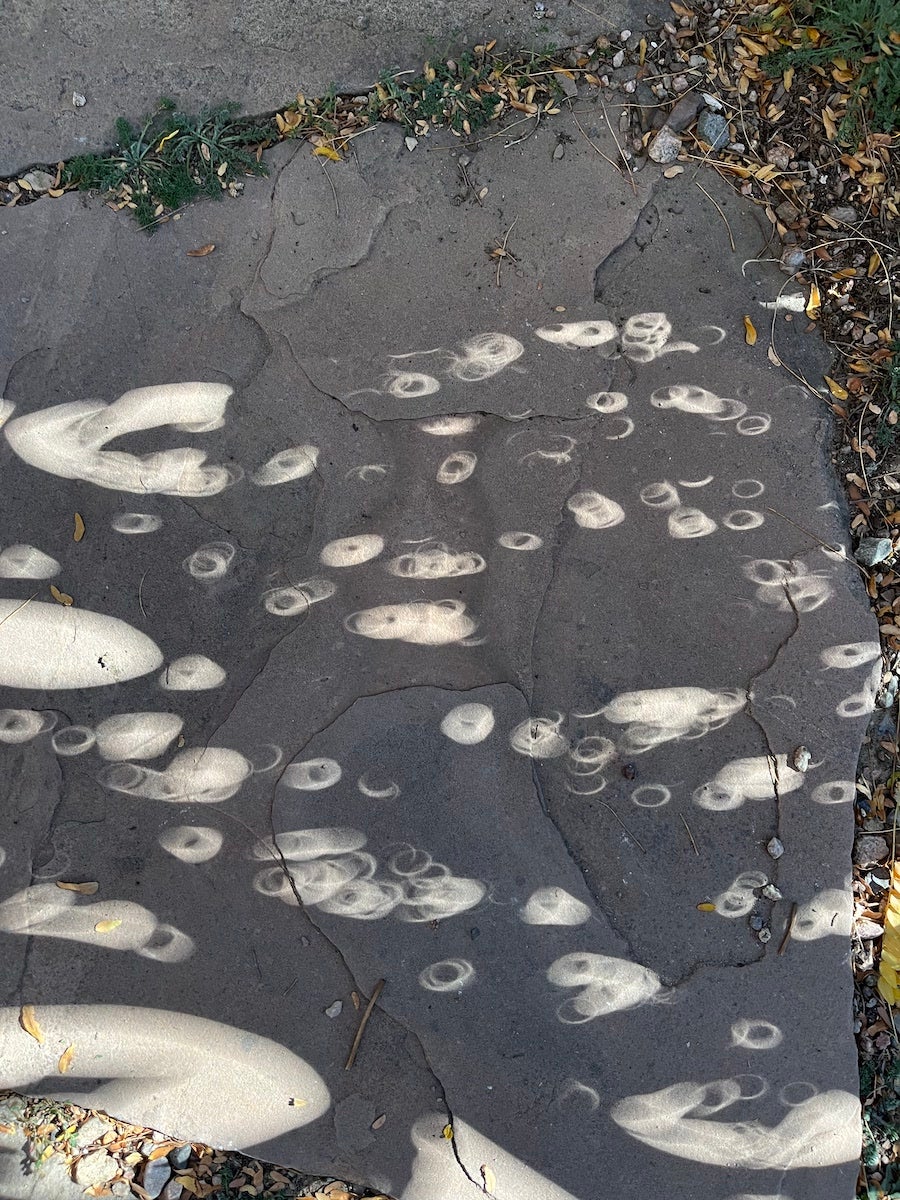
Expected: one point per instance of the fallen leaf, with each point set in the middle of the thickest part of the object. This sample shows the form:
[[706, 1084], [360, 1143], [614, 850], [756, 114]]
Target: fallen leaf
[[107, 926], [79, 527], [839, 393], [773, 357], [202, 251], [814, 303], [379, 1121], [66, 1059], [447, 1132], [749, 332], [788, 78], [671, 172], [83, 889], [61, 597], [28, 1021], [706, 907], [490, 1179], [327, 152]]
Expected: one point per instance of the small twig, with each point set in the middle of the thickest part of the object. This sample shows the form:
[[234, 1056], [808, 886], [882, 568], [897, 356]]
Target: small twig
[[618, 146], [789, 930], [140, 594], [838, 550], [718, 209], [256, 960], [596, 148], [599, 16], [624, 826], [19, 609], [503, 254], [690, 835], [525, 136], [351, 1057], [337, 207]]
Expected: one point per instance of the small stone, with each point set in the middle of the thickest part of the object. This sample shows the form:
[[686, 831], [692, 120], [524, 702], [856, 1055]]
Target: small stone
[[787, 211], [157, 1174], [629, 85], [869, 850], [868, 930], [559, 151], [771, 892], [756, 923], [566, 82], [95, 1168], [465, 160], [873, 550], [680, 83], [624, 35], [712, 102], [180, 1157], [411, 142], [792, 260], [713, 129], [765, 935], [334, 1010], [617, 59], [697, 60], [775, 847], [801, 758], [737, 147], [121, 1187], [844, 213], [91, 1131], [683, 112], [665, 147], [78, 101], [39, 181], [172, 1191]]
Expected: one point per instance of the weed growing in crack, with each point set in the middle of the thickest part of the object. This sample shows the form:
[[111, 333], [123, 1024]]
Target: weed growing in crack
[[172, 159]]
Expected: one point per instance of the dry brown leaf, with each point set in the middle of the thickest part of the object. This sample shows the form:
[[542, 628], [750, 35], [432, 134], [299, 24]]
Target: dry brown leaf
[[83, 889], [749, 332], [61, 597], [814, 303], [671, 172], [78, 532], [28, 1021], [773, 357], [66, 1059], [202, 251], [162, 1149], [379, 1121], [108, 926], [839, 393]]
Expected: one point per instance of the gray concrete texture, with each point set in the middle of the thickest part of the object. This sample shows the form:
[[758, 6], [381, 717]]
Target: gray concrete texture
[[426, 630], [122, 58]]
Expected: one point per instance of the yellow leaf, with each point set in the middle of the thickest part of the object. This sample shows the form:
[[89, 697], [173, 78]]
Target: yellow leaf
[[107, 926], [84, 889], [79, 527], [28, 1021], [447, 1132], [60, 597], [706, 907], [788, 78], [66, 1059], [814, 303], [874, 264], [839, 393], [749, 332], [642, 54], [201, 251], [166, 139], [490, 1179], [327, 152]]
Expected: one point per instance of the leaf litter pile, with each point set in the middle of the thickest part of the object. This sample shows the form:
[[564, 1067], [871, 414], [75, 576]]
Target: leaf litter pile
[[795, 105], [109, 1158]]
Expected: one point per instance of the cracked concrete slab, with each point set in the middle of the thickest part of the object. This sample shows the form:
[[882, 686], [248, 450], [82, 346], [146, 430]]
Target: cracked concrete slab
[[461, 636], [258, 52]]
